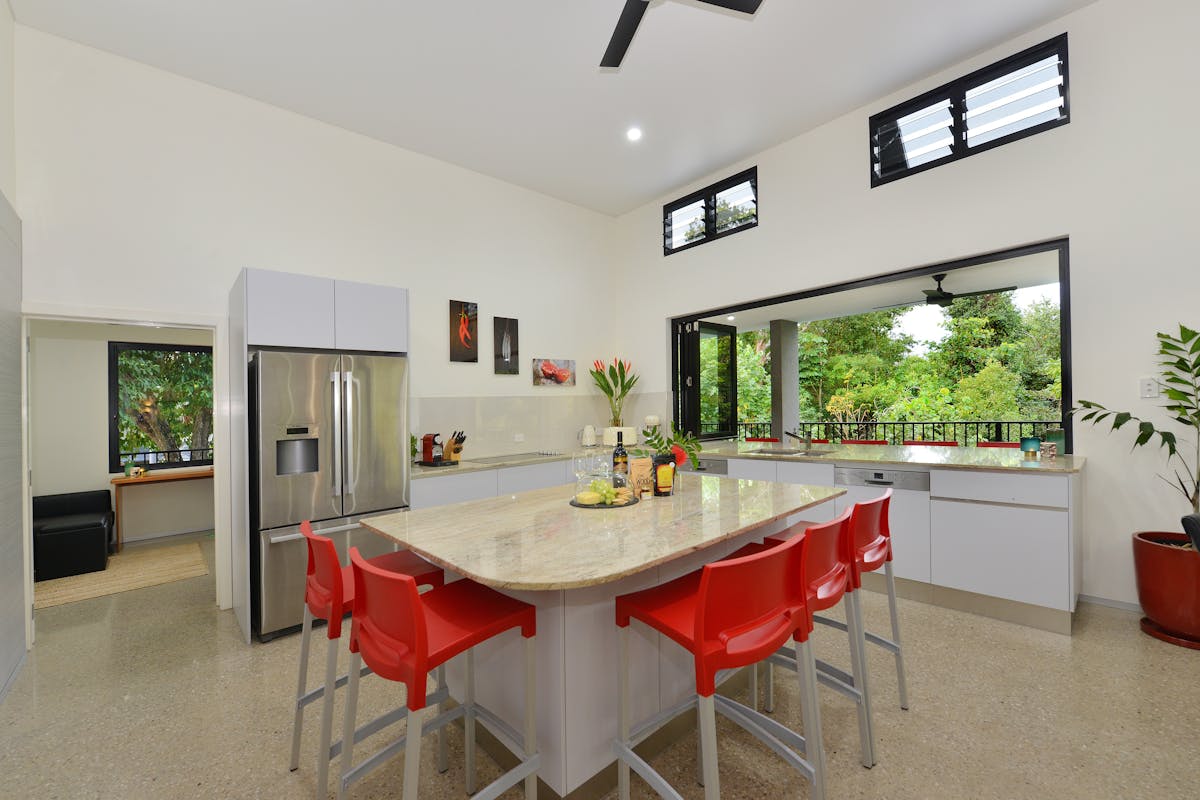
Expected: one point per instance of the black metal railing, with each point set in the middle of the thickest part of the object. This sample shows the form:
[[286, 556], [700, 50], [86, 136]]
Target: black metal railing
[[161, 459], [963, 432]]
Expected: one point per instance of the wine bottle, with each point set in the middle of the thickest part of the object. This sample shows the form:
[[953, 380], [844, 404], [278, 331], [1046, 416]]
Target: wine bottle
[[620, 462]]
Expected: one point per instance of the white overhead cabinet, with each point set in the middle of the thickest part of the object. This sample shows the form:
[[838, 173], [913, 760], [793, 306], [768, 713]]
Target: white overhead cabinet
[[306, 312]]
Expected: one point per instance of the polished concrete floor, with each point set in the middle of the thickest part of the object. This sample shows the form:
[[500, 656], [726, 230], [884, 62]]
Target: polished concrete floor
[[152, 694]]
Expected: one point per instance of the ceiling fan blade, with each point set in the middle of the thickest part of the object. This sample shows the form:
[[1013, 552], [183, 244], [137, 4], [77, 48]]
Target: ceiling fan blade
[[932, 293], [744, 6], [627, 25], [987, 291], [898, 305]]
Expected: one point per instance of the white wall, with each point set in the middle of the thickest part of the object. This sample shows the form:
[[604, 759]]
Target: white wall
[[1118, 180], [13, 556], [68, 414], [8, 156]]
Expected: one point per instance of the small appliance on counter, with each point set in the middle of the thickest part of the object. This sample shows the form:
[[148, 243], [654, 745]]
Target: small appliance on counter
[[588, 436], [436, 454]]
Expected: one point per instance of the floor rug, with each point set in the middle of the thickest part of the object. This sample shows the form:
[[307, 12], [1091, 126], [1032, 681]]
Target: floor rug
[[135, 568]]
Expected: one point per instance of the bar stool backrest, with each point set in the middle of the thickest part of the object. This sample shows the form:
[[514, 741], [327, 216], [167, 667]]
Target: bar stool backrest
[[388, 630], [323, 590], [869, 531], [746, 609], [919, 442], [1013, 445], [826, 564], [864, 441]]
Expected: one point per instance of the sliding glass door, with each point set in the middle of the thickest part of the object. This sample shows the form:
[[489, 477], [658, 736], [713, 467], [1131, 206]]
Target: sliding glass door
[[706, 389]]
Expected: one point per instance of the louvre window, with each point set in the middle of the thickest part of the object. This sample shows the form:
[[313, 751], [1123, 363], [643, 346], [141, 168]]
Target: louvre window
[[715, 211], [1017, 97]]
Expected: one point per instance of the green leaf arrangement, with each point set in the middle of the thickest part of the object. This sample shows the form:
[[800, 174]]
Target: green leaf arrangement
[[1179, 379], [675, 442]]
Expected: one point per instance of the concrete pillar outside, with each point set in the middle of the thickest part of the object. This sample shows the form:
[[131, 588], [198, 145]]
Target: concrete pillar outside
[[785, 377]]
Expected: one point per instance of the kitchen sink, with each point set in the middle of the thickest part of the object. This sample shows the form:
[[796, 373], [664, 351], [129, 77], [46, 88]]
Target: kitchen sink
[[792, 451]]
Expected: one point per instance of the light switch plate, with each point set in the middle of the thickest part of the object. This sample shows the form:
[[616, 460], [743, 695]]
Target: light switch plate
[[1148, 388], [520, 437]]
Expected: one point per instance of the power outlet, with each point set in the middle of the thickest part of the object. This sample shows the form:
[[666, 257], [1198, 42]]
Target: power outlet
[[518, 437], [1148, 388]]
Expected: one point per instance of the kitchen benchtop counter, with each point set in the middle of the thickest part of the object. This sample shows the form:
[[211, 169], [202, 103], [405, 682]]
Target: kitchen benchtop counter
[[493, 462], [991, 459], [537, 541]]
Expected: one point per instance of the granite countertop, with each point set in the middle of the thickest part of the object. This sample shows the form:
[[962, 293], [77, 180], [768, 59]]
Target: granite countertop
[[537, 541], [492, 462], [991, 459]]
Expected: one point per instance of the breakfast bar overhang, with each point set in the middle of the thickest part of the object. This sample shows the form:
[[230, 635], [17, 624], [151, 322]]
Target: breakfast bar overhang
[[571, 563]]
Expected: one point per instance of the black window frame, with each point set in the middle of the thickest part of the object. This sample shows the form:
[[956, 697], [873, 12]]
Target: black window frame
[[709, 195], [955, 91], [114, 404]]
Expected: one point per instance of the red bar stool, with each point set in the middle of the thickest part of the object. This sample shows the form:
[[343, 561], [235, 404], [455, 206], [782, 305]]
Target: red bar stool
[[762, 439], [864, 441], [729, 614], [403, 636], [915, 442], [998, 444], [872, 550], [329, 595], [828, 577]]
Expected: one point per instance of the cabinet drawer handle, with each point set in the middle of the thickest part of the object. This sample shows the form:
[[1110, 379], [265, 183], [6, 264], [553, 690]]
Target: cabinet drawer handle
[[879, 483]]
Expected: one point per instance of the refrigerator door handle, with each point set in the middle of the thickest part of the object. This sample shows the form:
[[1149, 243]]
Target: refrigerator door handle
[[336, 388], [351, 450]]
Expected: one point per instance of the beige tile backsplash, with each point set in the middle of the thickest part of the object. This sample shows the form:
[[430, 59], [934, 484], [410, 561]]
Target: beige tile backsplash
[[549, 423]]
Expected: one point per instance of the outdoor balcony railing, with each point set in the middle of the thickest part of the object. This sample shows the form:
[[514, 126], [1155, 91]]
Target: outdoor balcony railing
[[963, 432]]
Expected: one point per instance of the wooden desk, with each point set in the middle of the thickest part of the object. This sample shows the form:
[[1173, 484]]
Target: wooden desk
[[121, 482]]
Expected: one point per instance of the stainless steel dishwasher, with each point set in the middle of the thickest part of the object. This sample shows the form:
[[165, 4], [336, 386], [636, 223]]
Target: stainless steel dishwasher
[[908, 512]]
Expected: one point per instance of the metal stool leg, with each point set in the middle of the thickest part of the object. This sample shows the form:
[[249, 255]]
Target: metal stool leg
[[623, 710], [469, 723], [753, 687], [327, 718], [348, 724], [769, 703], [301, 685], [443, 763], [858, 667], [412, 753], [810, 712], [531, 745], [901, 676], [708, 747]]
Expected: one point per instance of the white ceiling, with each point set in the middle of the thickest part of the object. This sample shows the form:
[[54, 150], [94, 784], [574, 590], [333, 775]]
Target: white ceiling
[[512, 88], [1035, 269]]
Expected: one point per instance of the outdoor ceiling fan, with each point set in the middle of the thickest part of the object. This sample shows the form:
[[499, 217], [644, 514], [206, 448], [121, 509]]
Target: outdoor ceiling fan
[[940, 297], [631, 17]]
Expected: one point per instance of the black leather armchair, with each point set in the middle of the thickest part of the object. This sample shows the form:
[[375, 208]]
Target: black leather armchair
[[72, 533]]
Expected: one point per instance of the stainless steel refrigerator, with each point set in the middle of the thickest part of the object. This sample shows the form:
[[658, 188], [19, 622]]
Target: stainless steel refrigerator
[[328, 443]]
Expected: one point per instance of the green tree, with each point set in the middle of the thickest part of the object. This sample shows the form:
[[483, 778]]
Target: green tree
[[991, 394], [1003, 318], [165, 400]]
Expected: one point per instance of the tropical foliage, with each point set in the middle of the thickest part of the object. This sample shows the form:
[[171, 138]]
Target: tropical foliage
[[996, 362], [1179, 365], [165, 401], [616, 381]]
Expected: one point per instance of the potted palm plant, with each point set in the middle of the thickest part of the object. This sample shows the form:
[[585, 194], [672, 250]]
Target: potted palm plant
[[616, 380], [1166, 563]]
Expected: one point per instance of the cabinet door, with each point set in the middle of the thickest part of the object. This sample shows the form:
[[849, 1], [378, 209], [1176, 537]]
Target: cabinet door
[[369, 317], [440, 490], [1015, 552], [532, 476], [752, 469], [908, 519], [286, 310], [813, 475]]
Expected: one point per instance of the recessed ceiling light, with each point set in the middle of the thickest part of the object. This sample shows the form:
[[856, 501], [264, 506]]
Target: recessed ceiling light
[[633, 134], [730, 318]]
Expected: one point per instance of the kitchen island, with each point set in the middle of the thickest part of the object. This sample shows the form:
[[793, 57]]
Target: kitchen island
[[571, 563]]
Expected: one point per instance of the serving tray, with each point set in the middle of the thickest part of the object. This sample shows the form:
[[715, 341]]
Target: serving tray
[[633, 502]]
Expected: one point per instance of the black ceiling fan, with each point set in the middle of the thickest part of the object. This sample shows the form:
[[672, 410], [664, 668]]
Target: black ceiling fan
[[940, 297], [631, 17]]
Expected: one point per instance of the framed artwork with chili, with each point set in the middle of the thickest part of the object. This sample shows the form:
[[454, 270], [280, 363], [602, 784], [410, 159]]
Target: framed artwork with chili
[[464, 331], [553, 372]]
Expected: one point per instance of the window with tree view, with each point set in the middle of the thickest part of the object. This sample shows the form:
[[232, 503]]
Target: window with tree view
[[715, 211], [160, 405]]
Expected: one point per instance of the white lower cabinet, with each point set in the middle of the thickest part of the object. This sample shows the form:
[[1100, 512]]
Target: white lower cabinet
[[752, 469], [533, 476], [438, 490], [908, 520], [812, 475], [1016, 552]]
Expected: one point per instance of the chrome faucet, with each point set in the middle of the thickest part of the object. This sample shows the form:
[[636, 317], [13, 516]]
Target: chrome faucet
[[806, 438]]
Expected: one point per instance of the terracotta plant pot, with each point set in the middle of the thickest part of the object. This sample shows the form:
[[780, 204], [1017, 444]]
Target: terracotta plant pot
[[1168, 584]]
